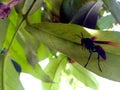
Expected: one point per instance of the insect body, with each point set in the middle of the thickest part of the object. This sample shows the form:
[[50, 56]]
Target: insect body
[[89, 44]]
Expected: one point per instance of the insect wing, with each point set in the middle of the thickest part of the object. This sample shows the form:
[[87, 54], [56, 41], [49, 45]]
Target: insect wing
[[101, 52], [108, 43]]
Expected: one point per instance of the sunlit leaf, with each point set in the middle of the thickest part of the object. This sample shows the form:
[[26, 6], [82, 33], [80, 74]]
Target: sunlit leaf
[[84, 76], [64, 40], [13, 18], [19, 56], [54, 69], [9, 79], [11, 28], [36, 17]]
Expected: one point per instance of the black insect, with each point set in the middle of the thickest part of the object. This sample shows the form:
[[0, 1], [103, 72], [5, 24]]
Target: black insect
[[89, 44]]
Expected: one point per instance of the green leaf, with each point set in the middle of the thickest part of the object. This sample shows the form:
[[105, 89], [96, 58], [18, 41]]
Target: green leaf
[[108, 21], [18, 54], [54, 6], [26, 6], [43, 52], [3, 30], [35, 17], [36, 6], [54, 69], [13, 18], [114, 7], [33, 4], [84, 76], [62, 37], [30, 46], [9, 79]]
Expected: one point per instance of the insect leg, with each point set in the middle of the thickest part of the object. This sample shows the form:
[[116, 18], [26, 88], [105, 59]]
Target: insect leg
[[99, 63], [88, 59]]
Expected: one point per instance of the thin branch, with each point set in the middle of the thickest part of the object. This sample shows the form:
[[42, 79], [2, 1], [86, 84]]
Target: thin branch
[[11, 42]]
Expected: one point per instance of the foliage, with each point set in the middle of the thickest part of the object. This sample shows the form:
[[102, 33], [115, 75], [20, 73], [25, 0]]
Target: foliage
[[36, 30]]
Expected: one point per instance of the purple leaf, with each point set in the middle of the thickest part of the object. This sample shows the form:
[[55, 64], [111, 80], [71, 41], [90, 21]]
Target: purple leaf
[[5, 7], [12, 3], [4, 10]]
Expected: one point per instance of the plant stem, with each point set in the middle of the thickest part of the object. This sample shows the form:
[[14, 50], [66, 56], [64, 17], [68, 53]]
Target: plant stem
[[18, 27], [10, 45]]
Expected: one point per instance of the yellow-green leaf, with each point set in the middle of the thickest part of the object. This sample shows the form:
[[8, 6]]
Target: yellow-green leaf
[[62, 38], [9, 79]]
